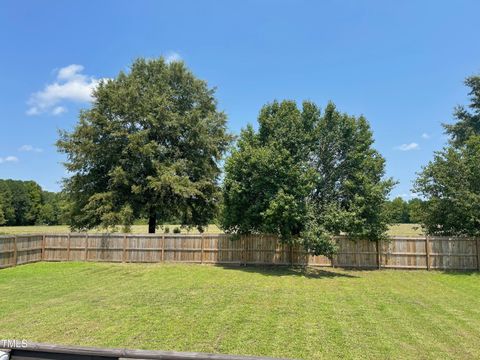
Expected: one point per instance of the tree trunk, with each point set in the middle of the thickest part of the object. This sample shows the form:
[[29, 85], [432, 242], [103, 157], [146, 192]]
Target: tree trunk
[[152, 221]]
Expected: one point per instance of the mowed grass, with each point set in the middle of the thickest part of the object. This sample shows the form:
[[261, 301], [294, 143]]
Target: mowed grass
[[395, 230], [280, 312], [405, 230], [59, 229]]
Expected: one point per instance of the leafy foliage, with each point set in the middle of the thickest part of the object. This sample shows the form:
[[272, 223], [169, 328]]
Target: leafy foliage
[[350, 191], [21, 201], [451, 181], [405, 212], [149, 147], [25, 203], [266, 182], [306, 177], [2, 215], [451, 185], [467, 122], [54, 210]]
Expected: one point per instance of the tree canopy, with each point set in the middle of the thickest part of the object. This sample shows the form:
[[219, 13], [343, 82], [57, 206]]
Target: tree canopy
[[405, 212], [450, 182], [467, 122], [306, 176], [266, 183], [149, 147], [25, 203]]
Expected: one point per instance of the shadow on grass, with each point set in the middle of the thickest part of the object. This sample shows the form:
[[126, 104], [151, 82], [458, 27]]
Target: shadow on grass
[[458, 272], [280, 271]]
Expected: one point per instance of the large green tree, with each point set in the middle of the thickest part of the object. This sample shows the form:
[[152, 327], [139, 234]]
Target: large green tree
[[306, 176], [467, 119], [415, 210], [405, 212], [8, 209], [21, 201], [398, 211], [54, 209], [267, 178], [351, 189], [450, 183], [149, 147]]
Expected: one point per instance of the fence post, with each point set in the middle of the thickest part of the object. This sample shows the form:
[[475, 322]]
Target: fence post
[[379, 261], [68, 247], [290, 248], [15, 250], [478, 253], [241, 249], [43, 247], [244, 252], [357, 255], [86, 246], [163, 248], [332, 259], [124, 255], [202, 248], [427, 252]]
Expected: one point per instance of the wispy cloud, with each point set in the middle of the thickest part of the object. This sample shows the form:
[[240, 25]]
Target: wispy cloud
[[70, 85], [172, 56], [30, 148], [58, 110], [408, 147], [8, 159], [426, 136]]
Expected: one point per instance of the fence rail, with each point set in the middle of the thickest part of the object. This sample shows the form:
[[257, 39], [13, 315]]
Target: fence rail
[[397, 252], [38, 351]]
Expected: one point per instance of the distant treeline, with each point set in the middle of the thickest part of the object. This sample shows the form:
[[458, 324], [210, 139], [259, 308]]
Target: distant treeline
[[404, 212], [25, 203]]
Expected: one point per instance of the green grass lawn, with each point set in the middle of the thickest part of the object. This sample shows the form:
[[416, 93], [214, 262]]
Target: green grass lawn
[[405, 230], [398, 229], [55, 229], [318, 314]]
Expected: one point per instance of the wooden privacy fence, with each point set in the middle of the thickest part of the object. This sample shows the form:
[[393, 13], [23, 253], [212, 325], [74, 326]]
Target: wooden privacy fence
[[397, 252]]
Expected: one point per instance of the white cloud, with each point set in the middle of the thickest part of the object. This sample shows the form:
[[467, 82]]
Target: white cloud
[[8, 159], [426, 136], [69, 72], [405, 196], [59, 110], [172, 56], [33, 111], [408, 147], [30, 148], [70, 85]]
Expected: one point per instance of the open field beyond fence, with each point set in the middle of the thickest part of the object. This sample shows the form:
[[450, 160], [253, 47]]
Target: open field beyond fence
[[397, 252], [394, 230], [143, 229], [312, 313]]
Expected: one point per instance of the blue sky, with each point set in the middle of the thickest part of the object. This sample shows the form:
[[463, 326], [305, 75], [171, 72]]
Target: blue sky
[[399, 63]]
